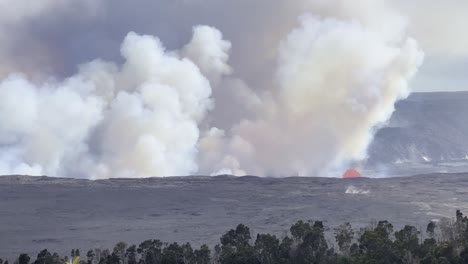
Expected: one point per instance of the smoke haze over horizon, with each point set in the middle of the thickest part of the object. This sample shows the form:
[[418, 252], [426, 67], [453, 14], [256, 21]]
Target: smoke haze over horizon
[[98, 89]]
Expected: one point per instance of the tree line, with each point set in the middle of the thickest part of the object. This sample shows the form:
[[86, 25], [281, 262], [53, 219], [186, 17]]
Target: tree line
[[445, 241]]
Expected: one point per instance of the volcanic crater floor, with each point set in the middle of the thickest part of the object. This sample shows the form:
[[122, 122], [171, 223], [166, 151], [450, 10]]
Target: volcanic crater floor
[[60, 214]]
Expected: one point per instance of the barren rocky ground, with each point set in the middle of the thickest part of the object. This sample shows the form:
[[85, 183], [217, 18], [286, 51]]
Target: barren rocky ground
[[61, 214]]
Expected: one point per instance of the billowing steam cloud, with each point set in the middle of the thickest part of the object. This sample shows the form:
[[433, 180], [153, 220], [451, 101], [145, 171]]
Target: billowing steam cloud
[[137, 119], [338, 81], [314, 107]]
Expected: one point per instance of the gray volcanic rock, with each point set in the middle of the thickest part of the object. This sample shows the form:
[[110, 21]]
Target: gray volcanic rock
[[61, 214]]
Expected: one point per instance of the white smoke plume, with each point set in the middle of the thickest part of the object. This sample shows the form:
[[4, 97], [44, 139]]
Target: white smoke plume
[[210, 52], [132, 120], [306, 101], [338, 81]]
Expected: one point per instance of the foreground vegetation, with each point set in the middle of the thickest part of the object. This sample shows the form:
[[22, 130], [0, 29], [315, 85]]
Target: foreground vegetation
[[442, 242]]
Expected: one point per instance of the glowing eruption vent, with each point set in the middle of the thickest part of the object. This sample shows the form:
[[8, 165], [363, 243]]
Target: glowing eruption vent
[[351, 173]]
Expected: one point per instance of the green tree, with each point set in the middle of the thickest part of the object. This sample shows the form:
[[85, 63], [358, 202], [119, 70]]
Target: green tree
[[427, 250], [376, 246], [238, 237], [119, 251], [113, 259], [235, 247], [464, 255], [173, 254], [217, 254], [90, 255], [104, 256], [187, 253], [150, 251], [462, 228], [286, 248], [23, 259], [267, 249], [300, 230], [445, 252], [430, 229], [45, 257], [202, 255], [131, 255], [314, 248], [443, 260], [407, 243], [344, 236]]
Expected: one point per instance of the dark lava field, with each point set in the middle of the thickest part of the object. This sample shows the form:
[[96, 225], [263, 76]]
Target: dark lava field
[[61, 214]]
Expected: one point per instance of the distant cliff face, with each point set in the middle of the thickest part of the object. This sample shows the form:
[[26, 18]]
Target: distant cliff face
[[427, 128]]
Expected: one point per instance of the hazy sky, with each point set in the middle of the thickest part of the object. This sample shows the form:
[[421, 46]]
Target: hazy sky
[[438, 26], [55, 36]]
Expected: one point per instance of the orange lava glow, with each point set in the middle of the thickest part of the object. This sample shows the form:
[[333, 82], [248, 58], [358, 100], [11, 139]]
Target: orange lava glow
[[351, 173]]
